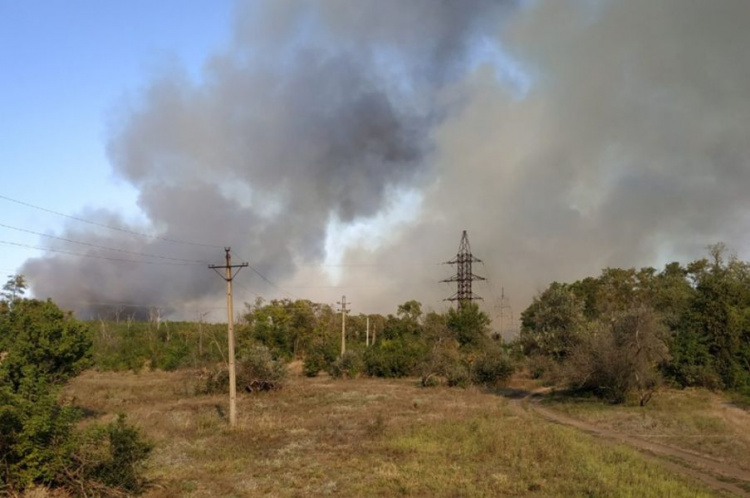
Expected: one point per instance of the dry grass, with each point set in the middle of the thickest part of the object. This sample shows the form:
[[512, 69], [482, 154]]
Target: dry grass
[[692, 419], [366, 437]]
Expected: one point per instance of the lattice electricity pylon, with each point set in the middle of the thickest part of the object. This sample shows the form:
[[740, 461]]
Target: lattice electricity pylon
[[464, 275]]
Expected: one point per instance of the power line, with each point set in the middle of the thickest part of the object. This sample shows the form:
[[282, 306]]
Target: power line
[[247, 289], [124, 251], [268, 280], [356, 265], [104, 225], [6, 242], [131, 305]]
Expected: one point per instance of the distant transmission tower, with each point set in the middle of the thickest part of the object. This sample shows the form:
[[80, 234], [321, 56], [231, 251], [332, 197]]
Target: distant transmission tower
[[464, 275], [506, 312]]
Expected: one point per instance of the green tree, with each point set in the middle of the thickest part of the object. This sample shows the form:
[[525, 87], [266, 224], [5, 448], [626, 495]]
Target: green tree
[[554, 322], [469, 325], [621, 356], [717, 334], [287, 327], [41, 347], [14, 288]]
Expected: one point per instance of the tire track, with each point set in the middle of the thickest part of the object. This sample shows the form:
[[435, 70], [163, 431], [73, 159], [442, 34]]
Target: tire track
[[716, 474]]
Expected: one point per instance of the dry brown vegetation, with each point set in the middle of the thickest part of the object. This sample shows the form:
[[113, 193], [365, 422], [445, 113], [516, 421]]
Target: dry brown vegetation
[[363, 437]]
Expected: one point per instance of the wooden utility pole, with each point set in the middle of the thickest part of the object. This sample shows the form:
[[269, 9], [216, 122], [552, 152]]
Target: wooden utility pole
[[344, 311], [367, 332], [229, 276]]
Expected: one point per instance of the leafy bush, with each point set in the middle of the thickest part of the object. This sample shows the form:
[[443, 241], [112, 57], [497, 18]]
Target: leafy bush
[[41, 347], [36, 438], [458, 375], [394, 358], [349, 365], [130, 345], [320, 356], [442, 361], [469, 325], [110, 457], [492, 367], [256, 365], [174, 356], [621, 357]]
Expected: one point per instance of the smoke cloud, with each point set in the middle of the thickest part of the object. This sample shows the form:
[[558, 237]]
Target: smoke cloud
[[627, 147], [317, 111]]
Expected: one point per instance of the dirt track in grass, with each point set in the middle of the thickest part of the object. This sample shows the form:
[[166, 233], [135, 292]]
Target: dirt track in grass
[[718, 474]]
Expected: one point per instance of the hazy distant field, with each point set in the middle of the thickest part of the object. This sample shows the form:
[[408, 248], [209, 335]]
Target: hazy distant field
[[365, 437]]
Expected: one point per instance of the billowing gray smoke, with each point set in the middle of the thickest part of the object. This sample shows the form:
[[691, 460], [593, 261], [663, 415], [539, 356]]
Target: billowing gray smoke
[[317, 111], [628, 146]]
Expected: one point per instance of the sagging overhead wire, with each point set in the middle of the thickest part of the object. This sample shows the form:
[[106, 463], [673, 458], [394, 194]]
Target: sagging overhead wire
[[268, 280], [114, 249], [130, 305], [71, 253], [104, 225]]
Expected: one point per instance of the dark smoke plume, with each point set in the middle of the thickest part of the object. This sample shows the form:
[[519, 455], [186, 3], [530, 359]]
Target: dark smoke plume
[[318, 111], [628, 148], [623, 142]]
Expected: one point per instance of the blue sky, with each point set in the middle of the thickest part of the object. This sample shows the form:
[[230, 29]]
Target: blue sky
[[64, 69], [548, 148]]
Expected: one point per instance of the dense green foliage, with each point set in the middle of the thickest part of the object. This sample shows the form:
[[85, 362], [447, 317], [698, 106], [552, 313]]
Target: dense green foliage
[[288, 328], [133, 345], [41, 347], [404, 344], [624, 329]]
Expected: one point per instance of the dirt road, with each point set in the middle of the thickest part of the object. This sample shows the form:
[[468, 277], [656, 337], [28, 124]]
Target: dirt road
[[718, 475]]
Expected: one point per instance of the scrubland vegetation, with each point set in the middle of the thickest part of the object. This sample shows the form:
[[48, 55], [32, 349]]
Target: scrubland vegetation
[[126, 407], [366, 437], [627, 332]]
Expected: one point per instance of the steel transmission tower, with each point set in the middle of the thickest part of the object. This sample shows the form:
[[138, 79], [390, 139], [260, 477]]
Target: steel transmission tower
[[464, 275]]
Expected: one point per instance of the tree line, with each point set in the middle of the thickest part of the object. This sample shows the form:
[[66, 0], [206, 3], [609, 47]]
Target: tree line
[[627, 331]]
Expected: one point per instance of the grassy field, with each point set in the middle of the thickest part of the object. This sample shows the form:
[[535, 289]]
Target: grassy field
[[692, 419], [365, 437]]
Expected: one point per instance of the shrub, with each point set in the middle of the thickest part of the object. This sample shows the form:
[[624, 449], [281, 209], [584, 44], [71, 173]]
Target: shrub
[[256, 366], [458, 376], [42, 347], [36, 438], [621, 357], [177, 352], [109, 457], [442, 360], [547, 369], [320, 357], [349, 365], [492, 367], [394, 358]]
